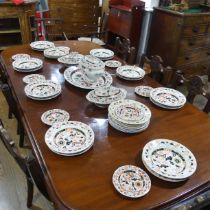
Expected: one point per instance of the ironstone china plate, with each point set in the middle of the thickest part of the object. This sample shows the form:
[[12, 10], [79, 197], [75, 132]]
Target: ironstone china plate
[[69, 138], [41, 45], [56, 52], [43, 90], [129, 112], [113, 63], [75, 77], [143, 90], [103, 54], [20, 56], [33, 78], [130, 72], [169, 159], [102, 97], [54, 115], [167, 97], [71, 59], [27, 65], [131, 181]]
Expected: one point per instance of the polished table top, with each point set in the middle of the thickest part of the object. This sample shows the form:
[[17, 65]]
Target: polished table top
[[85, 181]]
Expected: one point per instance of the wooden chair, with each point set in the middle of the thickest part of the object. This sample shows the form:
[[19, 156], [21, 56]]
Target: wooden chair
[[13, 109], [195, 86], [123, 49], [29, 166], [155, 69]]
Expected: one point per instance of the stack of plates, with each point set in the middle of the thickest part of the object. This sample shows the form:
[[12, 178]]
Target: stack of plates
[[27, 65], [131, 181], [56, 52], [130, 72], [42, 90], [102, 97], [41, 45], [167, 98], [113, 64], [143, 90], [103, 54], [71, 59], [69, 138], [168, 160], [33, 78], [54, 115], [129, 116]]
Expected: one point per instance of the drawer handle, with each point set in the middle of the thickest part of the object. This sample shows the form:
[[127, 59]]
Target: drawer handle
[[187, 58], [191, 43], [208, 53]]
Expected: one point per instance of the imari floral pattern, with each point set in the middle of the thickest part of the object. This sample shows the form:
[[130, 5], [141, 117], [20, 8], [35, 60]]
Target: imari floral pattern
[[54, 115], [167, 97], [113, 64], [43, 90], [41, 45], [33, 78], [131, 181], [143, 90], [75, 76], [69, 138], [130, 72], [169, 159], [103, 54]]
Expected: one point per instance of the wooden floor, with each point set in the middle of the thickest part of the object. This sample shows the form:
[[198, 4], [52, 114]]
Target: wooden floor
[[13, 188]]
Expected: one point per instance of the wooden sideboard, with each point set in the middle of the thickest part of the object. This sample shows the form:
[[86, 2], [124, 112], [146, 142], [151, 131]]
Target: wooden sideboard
[[181, 39], [16, 24], [125, 21]]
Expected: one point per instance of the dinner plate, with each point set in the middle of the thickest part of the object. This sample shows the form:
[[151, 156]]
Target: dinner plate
[[56, 52], [130, 72], [169, 159], [20, 56], [41, 45], [143, 90], [43, 90], [69, 138], [113, 64], [54, 115], [131, 181], [33, 78], [103, 54], [167, 97], [71, 59]]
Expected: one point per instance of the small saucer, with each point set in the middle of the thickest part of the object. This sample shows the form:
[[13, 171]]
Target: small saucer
[[143, 90]]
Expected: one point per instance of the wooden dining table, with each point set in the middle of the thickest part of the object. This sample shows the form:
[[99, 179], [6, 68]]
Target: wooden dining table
[[84, 182]]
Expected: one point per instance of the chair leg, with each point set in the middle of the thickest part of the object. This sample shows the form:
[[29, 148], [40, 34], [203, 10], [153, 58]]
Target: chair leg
[[30, 192], [21, 140], [10, 113]]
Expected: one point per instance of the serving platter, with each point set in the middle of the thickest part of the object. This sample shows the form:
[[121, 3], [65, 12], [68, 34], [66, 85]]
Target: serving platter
[[169, 159], [69, 138], [131, 181], [54, 115], [74, 75]]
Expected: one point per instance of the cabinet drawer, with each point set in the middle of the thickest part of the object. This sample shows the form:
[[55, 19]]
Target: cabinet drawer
[[198, 68], [187, 43], [199, 19], [196, 29], [193, 56]]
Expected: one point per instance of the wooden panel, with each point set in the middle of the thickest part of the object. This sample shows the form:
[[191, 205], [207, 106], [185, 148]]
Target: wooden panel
[[76, 14], [196, 29]]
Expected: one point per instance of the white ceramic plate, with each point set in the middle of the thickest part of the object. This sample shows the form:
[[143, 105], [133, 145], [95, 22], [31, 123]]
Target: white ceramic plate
[[131, 181], [41, 45], [33, 78], [54, 115], [143, 90], [56, 52], [69, 138], [103, 54], [20, 56], [169, 159], [71, 59], [113, 63]]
